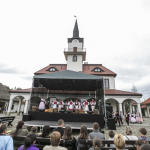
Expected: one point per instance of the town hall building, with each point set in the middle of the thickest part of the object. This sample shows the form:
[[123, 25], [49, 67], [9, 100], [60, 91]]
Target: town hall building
[[75, 55]]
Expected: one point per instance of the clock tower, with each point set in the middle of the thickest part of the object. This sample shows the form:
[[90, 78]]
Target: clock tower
[[75, 54]]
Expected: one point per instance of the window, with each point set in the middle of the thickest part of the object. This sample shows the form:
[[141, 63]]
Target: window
[[52, 69], [12, 107], [106, 83], [74, 58], [97, 70]]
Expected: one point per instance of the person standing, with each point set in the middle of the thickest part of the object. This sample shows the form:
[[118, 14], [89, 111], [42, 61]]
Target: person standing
[[71, 105], [86, 104], [76, 104], [54, 104], [42, 104], [127, 118], [121, 117], [93, 103], [118, 117]]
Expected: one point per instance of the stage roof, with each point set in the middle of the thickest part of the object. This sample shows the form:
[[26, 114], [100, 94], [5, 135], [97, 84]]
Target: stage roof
[[69, 80]]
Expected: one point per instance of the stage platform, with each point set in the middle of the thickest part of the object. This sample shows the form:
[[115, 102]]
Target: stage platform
[[73, 119], [54, 124]]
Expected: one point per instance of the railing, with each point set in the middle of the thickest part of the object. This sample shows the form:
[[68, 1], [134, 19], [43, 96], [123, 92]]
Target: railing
[[73, 50]]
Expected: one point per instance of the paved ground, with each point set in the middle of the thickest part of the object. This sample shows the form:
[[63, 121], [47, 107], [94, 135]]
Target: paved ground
[[135, 127]]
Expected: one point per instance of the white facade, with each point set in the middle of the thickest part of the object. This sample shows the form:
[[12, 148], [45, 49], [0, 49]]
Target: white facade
[[111, 81], [75, 43]]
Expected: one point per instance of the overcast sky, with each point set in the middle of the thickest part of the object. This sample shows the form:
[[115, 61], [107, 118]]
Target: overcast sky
[[33, 34]]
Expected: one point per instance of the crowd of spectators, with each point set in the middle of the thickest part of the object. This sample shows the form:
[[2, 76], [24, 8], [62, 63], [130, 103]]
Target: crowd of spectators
[[65, 133]]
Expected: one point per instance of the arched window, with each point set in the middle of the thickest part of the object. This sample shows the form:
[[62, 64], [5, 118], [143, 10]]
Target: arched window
[[52, 69], [74, 58]]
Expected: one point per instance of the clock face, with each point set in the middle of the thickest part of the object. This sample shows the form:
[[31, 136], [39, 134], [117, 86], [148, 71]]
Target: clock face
[[75, 41]]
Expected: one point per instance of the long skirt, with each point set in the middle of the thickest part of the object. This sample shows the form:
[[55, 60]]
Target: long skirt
[[86, 108], [133, 119], [139, 119], [42, 105]]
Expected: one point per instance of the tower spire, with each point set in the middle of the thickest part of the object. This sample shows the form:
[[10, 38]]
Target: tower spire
[[76, 30]]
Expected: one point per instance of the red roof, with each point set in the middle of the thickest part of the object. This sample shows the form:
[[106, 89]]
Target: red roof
[[146, 101], [143, 106], [87, 68], [134, 103], [107, 92]]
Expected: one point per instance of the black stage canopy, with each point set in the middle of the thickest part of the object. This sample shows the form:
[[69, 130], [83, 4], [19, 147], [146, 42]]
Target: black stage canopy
[[69, 80]]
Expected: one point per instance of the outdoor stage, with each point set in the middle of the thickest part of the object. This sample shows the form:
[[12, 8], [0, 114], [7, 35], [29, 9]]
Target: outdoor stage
[[75, 120]]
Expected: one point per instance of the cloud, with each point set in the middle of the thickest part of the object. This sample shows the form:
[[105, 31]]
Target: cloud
[[27, 77]]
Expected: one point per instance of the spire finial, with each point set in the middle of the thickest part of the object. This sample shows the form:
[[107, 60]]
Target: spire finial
[[76, 30]]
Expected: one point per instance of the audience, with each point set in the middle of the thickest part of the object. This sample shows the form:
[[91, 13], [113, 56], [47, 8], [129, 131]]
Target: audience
[[68, 136], [129, 135], [19, 131], [83, 135], [140, 142], [60, 127], [119, 142], [96, 132], [6, 142], [145, 147], [111, 135], [143, 133], [97, 144], [29, 142], [55, 141], [33, 130]]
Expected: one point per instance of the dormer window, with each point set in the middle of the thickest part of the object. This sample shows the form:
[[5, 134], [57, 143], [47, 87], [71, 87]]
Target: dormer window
[[74, 58], [52, 69], [97, 70]]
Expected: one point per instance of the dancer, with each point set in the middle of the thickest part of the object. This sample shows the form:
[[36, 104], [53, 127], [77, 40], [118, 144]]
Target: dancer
[[79, 105], [133, 120], [93, 103], [76, 104], [42, 104], [139, 118], [86, 103], [60, 105], [71, 105], [47, 104], [55, 104]]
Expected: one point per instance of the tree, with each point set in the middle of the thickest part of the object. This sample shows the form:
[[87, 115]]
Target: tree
[[19, 88], [7, 87], [134, 89]]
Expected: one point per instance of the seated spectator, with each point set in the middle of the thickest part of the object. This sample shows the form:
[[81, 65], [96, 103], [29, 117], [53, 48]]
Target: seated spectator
[[83, 135], [96, 132], [129, 135], [60, 127], [68, 136], [29, 142], [33, 130], [111, 135], [143, 133], [145, 147], [19, 131], [55, 141], [119, 142], [6, 142], [140, 142], [45, 134], [97, 144]]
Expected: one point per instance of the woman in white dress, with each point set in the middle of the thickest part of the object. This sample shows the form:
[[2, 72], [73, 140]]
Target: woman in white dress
[[42, 104], [71, 105], [79, 105], [133, 120], [55, 104], [86, 104]]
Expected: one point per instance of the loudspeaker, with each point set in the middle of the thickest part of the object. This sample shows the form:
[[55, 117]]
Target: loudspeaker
[[27, 117], [90, 112], [69, 111], [41, 110], [61, 111], [111, 124]]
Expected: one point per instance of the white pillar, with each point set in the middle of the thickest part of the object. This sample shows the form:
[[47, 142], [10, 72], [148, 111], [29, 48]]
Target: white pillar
[[148, 112], [124, 108], [19, 106], [26, 106], [133, 108], [9, 107], [120, 106], [139, 108]]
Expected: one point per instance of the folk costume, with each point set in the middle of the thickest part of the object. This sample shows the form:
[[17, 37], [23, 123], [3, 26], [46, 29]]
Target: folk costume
[[60, 105], [42, 104], [71, 107], [76, 105], [79, 104], [93, 103], [133, 120], [86, 106], [55, 104], [139, 118]]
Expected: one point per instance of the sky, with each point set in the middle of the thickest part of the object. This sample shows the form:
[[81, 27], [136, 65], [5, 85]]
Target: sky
[[33, 34]]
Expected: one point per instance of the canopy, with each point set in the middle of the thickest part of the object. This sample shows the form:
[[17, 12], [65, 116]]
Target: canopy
[[69, 80]]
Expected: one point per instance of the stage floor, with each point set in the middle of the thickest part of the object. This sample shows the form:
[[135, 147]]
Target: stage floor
[[53, 124]]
